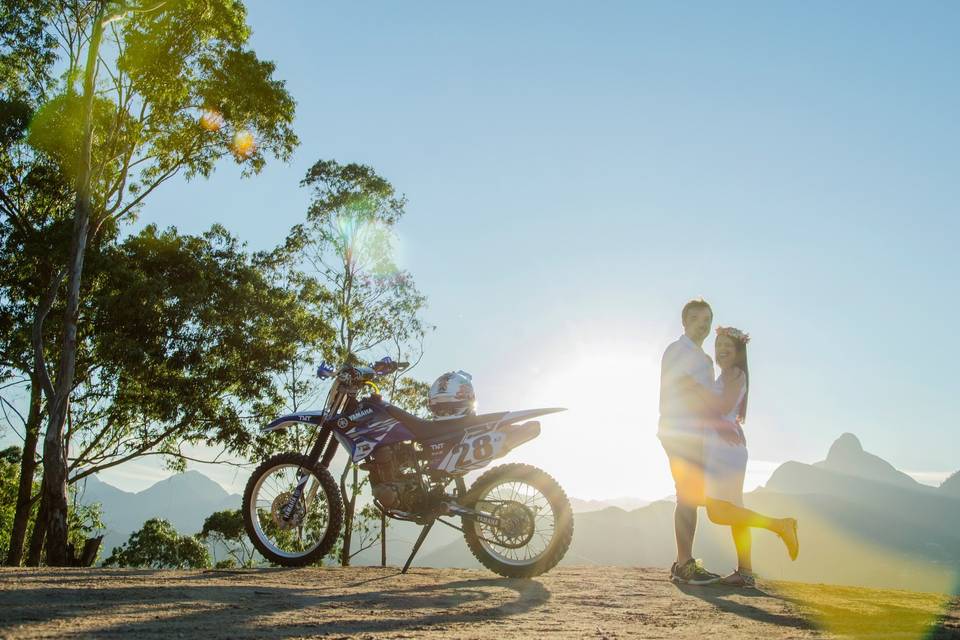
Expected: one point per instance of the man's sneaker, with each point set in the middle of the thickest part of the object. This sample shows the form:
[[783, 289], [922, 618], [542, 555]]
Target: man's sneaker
[[741, 579], [692, 572]]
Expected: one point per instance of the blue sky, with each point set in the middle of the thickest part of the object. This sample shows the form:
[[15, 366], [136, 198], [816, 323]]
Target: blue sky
[[577, 171]]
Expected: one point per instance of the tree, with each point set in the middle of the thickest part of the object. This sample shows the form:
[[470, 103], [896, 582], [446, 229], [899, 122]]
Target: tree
[[183, 344], [225, 528], [34, 235], [187, 345], [158, 546], [84, 519], [170, 62], [371, 303]]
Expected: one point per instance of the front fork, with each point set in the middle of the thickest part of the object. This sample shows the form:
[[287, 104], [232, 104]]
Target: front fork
[[322, 451]]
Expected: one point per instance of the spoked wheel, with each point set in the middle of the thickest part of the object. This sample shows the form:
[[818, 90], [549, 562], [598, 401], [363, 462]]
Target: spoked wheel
[[288, 531], [535, 521]]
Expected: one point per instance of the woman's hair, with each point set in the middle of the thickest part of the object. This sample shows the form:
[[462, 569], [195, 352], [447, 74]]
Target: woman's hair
[[741, 361], [739, 340]]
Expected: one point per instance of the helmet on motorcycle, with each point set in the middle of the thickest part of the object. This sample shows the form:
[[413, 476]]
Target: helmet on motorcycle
[[451, 396]]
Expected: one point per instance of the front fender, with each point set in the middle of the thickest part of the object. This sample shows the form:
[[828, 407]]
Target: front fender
[[304, 417]]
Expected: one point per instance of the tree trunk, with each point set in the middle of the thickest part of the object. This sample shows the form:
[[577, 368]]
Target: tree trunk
[[349, 508], [54, 449], [37, 536], [28, 465], [383, 539]]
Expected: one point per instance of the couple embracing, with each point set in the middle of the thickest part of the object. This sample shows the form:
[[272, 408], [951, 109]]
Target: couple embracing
[[700, 429]]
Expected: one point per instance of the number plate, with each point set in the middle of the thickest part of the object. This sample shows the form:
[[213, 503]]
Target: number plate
[[477, 447]]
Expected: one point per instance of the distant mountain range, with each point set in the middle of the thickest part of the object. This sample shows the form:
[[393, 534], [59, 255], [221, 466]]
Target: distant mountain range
[[626, 503], [185, 499], [862, 522]]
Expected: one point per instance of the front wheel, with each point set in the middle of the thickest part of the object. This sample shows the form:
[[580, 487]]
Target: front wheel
[[286, 530], [535, 521]]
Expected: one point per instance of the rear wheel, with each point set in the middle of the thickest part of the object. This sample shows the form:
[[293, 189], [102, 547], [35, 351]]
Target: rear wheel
[[535, 521], [289, 532]]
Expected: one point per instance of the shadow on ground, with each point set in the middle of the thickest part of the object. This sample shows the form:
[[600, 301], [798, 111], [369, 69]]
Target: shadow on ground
[[188, 606], [735, 601]]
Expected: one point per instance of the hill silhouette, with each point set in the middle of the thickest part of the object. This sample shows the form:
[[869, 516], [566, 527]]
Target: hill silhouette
[[184, 499], [951, 486], [847, 456]]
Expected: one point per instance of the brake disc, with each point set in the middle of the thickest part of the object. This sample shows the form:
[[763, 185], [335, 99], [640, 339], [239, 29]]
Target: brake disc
[[277, 508], [517, 525]]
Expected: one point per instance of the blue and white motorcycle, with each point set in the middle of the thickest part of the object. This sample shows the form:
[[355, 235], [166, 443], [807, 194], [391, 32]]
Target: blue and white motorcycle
[[515, 518]]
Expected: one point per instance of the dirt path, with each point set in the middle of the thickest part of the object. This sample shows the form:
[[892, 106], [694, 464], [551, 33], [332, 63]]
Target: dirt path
[[426, 603]]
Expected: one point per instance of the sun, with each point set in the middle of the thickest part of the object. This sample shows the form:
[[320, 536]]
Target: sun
[[605, 444]]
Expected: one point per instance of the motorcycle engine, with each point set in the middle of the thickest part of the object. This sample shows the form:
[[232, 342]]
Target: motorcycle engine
[[394, 477]]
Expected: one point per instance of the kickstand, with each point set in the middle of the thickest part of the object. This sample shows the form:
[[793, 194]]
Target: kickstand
[[416, 546]]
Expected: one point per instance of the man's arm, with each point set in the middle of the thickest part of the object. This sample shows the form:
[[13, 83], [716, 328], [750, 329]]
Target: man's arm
[[717, 404]]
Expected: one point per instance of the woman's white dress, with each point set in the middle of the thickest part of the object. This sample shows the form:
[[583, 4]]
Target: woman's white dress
[[724, 463]]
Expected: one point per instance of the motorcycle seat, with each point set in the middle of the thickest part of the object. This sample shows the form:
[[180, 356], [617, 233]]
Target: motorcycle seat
[[434, 429]]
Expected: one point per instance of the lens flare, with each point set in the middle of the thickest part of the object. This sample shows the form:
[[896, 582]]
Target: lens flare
[[211, 120], [367, 243], [243, 144], [903, 595]]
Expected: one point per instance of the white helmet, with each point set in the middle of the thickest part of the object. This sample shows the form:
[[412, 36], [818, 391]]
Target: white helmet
[[451, 396]]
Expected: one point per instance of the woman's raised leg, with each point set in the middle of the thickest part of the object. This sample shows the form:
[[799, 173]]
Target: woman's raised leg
[[727, 513]]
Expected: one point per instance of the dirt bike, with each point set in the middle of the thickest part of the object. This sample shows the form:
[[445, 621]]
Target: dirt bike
[[516, 519]]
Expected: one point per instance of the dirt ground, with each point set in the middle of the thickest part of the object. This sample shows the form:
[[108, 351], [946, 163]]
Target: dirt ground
[[363, 602]]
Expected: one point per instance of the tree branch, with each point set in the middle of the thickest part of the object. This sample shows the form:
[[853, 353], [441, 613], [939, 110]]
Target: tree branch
[[40, 364]]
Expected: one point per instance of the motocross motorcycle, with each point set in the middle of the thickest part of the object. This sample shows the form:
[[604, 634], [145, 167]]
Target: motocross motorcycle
[[516, 519]]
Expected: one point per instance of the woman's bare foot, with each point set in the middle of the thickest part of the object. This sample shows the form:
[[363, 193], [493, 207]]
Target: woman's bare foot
[[787, 530]]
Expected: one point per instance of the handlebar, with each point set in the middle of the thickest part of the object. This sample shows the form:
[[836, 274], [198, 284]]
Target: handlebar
[[382, 367]]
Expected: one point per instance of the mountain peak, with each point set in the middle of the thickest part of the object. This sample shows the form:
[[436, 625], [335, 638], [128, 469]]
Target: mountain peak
[[845, 445], [189, 485], [847, 456]]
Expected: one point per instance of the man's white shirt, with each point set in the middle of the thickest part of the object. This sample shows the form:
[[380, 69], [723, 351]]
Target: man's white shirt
[[682, 358]]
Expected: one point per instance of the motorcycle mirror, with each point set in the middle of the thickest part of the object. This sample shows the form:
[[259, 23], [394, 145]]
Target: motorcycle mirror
[[324, 371], [383, 365]]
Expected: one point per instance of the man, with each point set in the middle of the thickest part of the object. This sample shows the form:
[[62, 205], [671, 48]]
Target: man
[[682, 420]]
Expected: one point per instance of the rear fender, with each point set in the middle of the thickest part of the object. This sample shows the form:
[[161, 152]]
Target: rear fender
[[512, 417], [482, 443]]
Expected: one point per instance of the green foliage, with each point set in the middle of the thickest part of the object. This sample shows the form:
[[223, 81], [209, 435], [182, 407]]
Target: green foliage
[[348, 240], [158, 546], [411, 395], [187, 342], [225, 528], [9, 480], [167, 65], [83, 521], [56, 131], [27, 48]]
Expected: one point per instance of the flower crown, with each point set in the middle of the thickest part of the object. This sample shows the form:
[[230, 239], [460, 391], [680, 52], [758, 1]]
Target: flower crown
[[734, 334]]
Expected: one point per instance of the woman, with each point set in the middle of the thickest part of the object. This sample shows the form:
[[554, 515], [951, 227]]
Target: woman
[[725, 457]]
